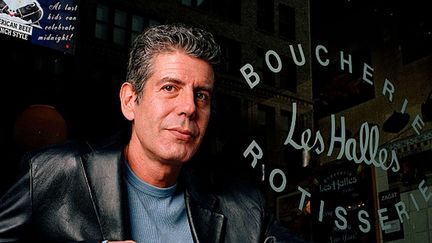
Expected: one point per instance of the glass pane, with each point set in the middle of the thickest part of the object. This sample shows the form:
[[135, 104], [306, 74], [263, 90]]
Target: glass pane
[[265, 15], [153, 22], [187, 2], [102, 12], [137, 23], [101, 31], [120, 18], [119, 36], [287, 21]]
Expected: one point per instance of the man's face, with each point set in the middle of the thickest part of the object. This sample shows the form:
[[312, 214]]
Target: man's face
[[171, 118]]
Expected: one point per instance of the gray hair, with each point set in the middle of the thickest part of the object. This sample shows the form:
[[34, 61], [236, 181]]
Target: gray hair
[[165, 39]]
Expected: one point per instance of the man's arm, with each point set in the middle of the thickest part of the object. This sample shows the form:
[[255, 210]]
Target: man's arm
[[15, 211]]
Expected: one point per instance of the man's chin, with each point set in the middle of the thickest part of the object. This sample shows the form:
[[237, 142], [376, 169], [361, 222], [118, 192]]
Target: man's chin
[[178, 158], [175, 152]]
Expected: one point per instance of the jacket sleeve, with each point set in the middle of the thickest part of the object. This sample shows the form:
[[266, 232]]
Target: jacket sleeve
[[15, 211]]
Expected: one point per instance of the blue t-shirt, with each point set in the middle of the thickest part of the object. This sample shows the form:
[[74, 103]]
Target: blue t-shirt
[[156, 214]]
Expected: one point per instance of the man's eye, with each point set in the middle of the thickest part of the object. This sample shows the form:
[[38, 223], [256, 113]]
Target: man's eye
[[168, 88], [202, 96]]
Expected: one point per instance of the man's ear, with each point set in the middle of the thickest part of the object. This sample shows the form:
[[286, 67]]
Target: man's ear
[[127, 100]]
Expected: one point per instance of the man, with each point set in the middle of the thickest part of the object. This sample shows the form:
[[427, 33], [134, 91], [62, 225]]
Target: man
[[142, 191]]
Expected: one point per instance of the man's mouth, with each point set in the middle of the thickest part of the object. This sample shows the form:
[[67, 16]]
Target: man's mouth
[[182, 134]]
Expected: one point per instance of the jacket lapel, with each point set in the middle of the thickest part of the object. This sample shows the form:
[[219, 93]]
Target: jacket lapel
[[104, 174], [206, 223]]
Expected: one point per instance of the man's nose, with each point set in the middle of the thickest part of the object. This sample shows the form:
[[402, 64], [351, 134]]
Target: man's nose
[[186, 104]]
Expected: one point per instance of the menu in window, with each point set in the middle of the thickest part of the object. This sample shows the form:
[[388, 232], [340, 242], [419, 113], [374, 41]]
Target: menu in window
[[393, 228]]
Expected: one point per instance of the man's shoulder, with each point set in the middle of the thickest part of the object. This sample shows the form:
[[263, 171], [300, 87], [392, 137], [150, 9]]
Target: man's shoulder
[[58, 159], [69, 153], [64, 150]]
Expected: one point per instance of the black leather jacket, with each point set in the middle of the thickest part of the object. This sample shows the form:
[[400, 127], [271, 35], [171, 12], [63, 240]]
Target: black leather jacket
[[76, 193]]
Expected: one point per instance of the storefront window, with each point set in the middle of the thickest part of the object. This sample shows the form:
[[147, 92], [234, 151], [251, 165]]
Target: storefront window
[[335, 95]]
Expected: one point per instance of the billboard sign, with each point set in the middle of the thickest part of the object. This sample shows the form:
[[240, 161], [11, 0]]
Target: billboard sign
[[50, 23]]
